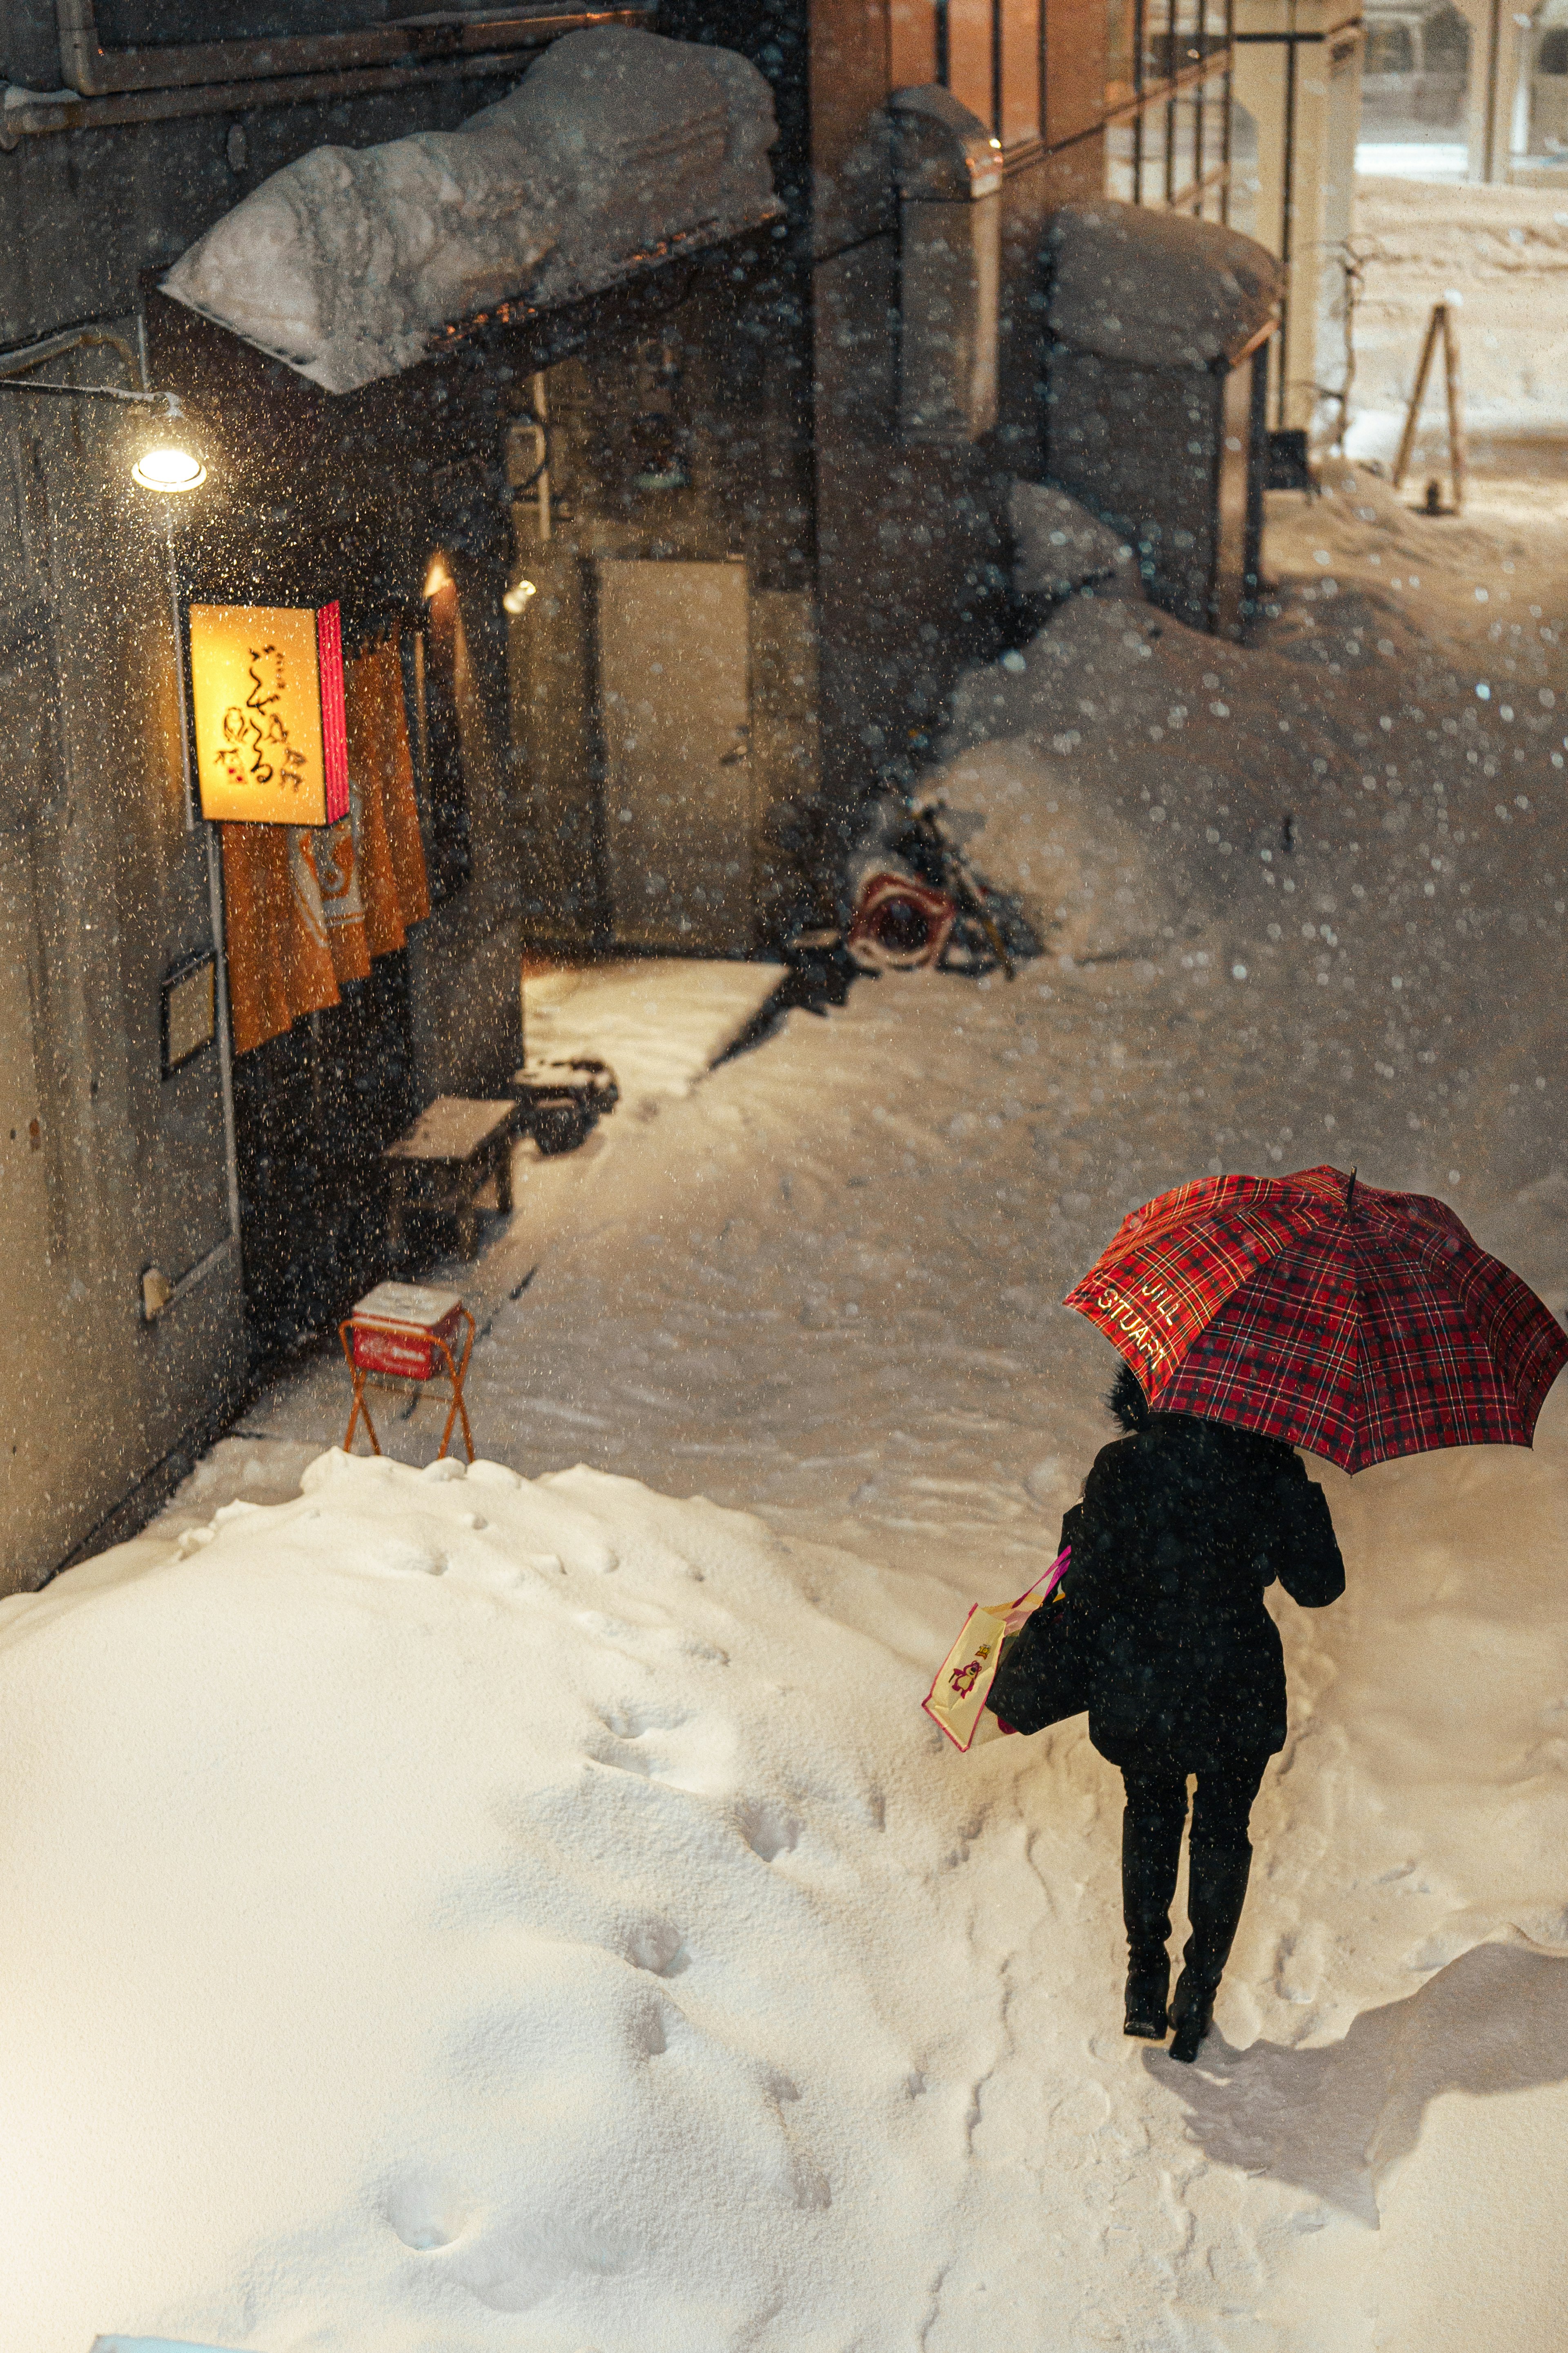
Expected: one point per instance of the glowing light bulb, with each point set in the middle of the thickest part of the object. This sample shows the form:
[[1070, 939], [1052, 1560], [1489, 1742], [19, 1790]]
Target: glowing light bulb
[[517, 595], [169, 470]]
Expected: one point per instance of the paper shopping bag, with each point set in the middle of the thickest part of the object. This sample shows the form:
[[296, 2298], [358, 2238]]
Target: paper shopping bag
[[963, 1682]]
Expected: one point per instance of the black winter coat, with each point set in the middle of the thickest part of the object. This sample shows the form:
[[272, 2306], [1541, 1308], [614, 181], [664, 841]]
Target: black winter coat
[[1182, 1527]]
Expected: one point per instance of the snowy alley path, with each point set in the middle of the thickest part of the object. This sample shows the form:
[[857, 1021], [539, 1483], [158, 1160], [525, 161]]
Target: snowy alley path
[[823, 1288]]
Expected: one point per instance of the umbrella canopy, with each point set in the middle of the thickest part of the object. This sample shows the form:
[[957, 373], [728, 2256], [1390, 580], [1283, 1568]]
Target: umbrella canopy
[[1355, 1323]]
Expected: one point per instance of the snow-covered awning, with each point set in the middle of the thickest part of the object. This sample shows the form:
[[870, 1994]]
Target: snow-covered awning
[[1160, 288], [618, 147]]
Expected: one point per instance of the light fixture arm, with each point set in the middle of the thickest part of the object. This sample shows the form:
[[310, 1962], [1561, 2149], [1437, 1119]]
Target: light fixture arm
[[162, 404]]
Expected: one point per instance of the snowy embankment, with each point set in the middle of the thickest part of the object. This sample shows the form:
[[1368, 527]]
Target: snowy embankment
[[545, 1891], [464, 1911], [1369, 803]]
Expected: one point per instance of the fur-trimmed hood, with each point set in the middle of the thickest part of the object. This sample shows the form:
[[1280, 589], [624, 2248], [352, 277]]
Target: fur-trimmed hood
[[1126, 1401]]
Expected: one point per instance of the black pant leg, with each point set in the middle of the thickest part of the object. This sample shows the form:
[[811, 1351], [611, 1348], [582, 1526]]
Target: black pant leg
[[1151, 1826], [1219, 1861], [1223, 1805]]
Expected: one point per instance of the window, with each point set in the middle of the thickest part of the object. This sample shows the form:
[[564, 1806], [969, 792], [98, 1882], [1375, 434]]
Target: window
[[1215, 110], [1446, 43], [1122, 162], [1186, 45], [1242, 209], [988, 52], [1153, 173], [1175, 149], [1121, 52], [1389, 49], [1185, 114], [1156, 41]]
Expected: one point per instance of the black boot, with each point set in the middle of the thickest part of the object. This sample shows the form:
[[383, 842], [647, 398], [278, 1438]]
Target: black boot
[[1148, 1987], [1150, 1850], [1216, 1890]]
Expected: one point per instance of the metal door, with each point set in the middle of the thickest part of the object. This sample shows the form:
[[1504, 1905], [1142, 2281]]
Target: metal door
[[676, 703]]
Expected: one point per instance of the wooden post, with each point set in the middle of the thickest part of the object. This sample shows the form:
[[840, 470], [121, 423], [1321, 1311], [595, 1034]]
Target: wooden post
[[1456, 409], [1439, 323]]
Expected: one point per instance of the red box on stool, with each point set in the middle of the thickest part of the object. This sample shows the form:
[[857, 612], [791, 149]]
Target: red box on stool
[[396, 1326]]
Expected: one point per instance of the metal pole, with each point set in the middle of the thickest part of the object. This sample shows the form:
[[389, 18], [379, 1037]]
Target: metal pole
[[213, 847], [1286, 222]]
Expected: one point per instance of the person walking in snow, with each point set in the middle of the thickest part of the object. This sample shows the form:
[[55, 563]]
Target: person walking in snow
[[1163, 1631]]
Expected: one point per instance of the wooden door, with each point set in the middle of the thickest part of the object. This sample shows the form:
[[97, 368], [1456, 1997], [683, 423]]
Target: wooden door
[[675, 702]]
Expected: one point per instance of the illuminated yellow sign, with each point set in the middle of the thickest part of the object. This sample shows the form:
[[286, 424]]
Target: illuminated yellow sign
[[271, 735]]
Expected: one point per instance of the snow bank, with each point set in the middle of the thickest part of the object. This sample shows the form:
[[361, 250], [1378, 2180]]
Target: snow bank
[[1059, 546], [450, 1903], [1159, 288], [1075, 861], [448, 1898], [1164, 780], [346, 262]]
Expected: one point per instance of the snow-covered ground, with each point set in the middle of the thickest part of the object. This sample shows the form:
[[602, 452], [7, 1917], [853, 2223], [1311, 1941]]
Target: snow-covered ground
[[458, 1913], [660, 1021]]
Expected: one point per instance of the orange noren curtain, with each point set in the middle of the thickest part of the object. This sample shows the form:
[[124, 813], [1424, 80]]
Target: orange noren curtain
[[306, 908]]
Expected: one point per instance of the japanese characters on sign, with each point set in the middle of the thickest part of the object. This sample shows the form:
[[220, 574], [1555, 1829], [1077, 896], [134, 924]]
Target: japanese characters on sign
[[266, 684]]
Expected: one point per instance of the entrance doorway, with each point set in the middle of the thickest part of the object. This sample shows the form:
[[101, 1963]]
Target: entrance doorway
[[675, 696]]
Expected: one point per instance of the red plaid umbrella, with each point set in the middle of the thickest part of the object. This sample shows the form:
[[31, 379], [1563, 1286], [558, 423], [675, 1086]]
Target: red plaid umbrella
[[1355, 1323]]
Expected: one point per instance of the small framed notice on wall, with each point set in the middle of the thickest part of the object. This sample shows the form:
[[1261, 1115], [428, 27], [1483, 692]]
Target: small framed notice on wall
[[187, 1010], [266, 683]]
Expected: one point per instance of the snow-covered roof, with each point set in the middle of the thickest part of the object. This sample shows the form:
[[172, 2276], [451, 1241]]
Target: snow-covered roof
[[615, 145], [1158, 288]]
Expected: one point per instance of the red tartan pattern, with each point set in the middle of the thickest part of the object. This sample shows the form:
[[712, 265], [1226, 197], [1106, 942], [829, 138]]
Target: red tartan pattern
[[1358, 1335]]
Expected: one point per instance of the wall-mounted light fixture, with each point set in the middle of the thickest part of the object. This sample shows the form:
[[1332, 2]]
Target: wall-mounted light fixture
[[168, 464], [519, 596]]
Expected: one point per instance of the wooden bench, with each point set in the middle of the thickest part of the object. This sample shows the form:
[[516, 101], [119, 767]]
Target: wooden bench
[[445, 1160]]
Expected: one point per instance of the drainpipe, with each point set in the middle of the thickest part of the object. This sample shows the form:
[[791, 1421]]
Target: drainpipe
[[214, 858], [1494, 51]]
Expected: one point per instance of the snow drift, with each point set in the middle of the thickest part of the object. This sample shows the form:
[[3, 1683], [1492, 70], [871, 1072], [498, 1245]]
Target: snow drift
[[1137, 780], [449, 1903], [1131, 283], [618, 143], [483, 1898], [1059, 546]]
